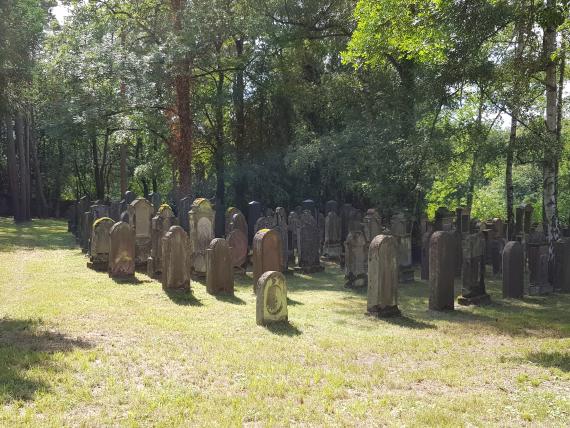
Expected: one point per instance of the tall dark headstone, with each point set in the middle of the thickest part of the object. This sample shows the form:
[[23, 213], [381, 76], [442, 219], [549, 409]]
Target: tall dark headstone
[[219, 268], [562, 265], [183, 207], [308, 237], [156, 200], [473, 291], [442, 271], [254, 211], [175, 260], [331, 206], [356, 260], [382, 299], [513, 270]]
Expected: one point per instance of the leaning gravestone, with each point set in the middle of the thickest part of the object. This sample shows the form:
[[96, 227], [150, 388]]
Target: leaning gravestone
[[308, 237], [356, 259], [271, 298], [160, 224], [201, 220], [237, 241], [266, 253], [122, 251], [332, 245], [562, 265], [473, 292], [219, 268], [140, 217], [100, 244], [441, 271], [382, 298], [175, 265], [254, 211], [184, 207], [283, 228], [513, 270]]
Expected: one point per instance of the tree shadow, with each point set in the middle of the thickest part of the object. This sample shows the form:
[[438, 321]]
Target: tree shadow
[[183, 298], [131, 281], [283, 329], [555, 359], [42, 234], [24, 347], [407, 322], [229, 298]]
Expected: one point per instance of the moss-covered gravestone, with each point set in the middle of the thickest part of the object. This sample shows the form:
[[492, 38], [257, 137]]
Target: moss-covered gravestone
[[383, 264], [271, 298], [201, 219], [160, 224], [122, 251], [140, 216], [100, 245], [175, 260], [219, 268]]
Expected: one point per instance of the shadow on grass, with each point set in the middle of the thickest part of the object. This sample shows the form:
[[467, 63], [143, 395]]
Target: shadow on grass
[[283, 329], [556, 359], [25, 348], [131, 281], [183, 298], [228, 298], [42, 234], [293, 302], [406, 322]]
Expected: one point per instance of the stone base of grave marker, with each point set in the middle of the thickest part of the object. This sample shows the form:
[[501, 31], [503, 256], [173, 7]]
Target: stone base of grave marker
[[356, 281], [98, 265], [386, 312]]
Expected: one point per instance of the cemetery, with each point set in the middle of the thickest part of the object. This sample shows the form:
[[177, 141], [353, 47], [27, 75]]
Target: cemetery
[[284, 214]]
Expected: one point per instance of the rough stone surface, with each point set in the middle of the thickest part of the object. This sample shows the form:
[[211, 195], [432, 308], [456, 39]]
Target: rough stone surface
[[271, 298], [237, 241], [538, 269], [87, 226], [372, 224], [513, 270], [100, 245], [308, 237], [266, 253], [441, 271], [356, 260], [383, 276], [140, 217], [161, 223], [219, 269], [473, 250], [201, 219], [115, 210], [175, 263], [122, 251], [562, 265], [265, 222], [331, 206]]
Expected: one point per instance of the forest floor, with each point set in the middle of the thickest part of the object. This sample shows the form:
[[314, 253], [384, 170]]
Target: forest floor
[[77, 348]]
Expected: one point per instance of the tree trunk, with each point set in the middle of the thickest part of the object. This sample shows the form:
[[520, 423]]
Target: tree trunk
[[551, 150], [509, 179], [58, 173], [239, 129], [24, 175], [40, 195], [123, 169], [99, 184], [407, 98], [219, 228], [12, 168]]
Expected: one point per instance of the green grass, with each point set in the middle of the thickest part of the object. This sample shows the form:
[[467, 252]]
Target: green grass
[[77, 348]]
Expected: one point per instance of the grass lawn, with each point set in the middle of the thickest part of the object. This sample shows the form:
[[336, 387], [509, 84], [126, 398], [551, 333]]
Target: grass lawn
[[77, 348]]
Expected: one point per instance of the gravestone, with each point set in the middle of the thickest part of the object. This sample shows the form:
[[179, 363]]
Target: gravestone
[[82, 207], [254, 211], [441, 271], [183, 207], [122, 251], [87, 226], [355, 221], [175, 260], [293, 225], [128, 198], [401, 228], [283, 228], [331, 206], [115, 210], [125, 217], [321, 226], [562, 265], [332, 245], [99, 210], [266, 222], [356, 260], [237, 241], [140, 217], [345, 211], [308, 244], [426, 237], [230, 212], [473, 292], [311, 206], [219, 268], [382, 299], [271, 298], [537, 250], [372, 224], [443, 219], [266, 253], [513, 270], [238, 222], [201, 220], [100, 244], [156, 200], [160, 224]]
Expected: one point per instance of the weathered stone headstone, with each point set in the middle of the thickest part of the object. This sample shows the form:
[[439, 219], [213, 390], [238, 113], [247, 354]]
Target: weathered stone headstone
[[355, 221], [283, 228], [266, 222], [513, 270], [87, 226], [400, 227], [128, 199], [473, 292], [311, 206], [115, 210], [345, 211], [160, 224], [100, 244], [443, 219], [372, 224], [99, 210], [238, 221], [331, 206], [293, 225], [308, 244], [156, 200], [426, 237], [82, 207], [332, 245], [271, 298], [538, 268], [140, 217], [175, 260], [382, 298], [356, 260], [183, 207], [442, 271], [219, 269], [201, 220], [266, 253], [562, 265], [122, 251], [237, 241], [254, 211], [230, 212]]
